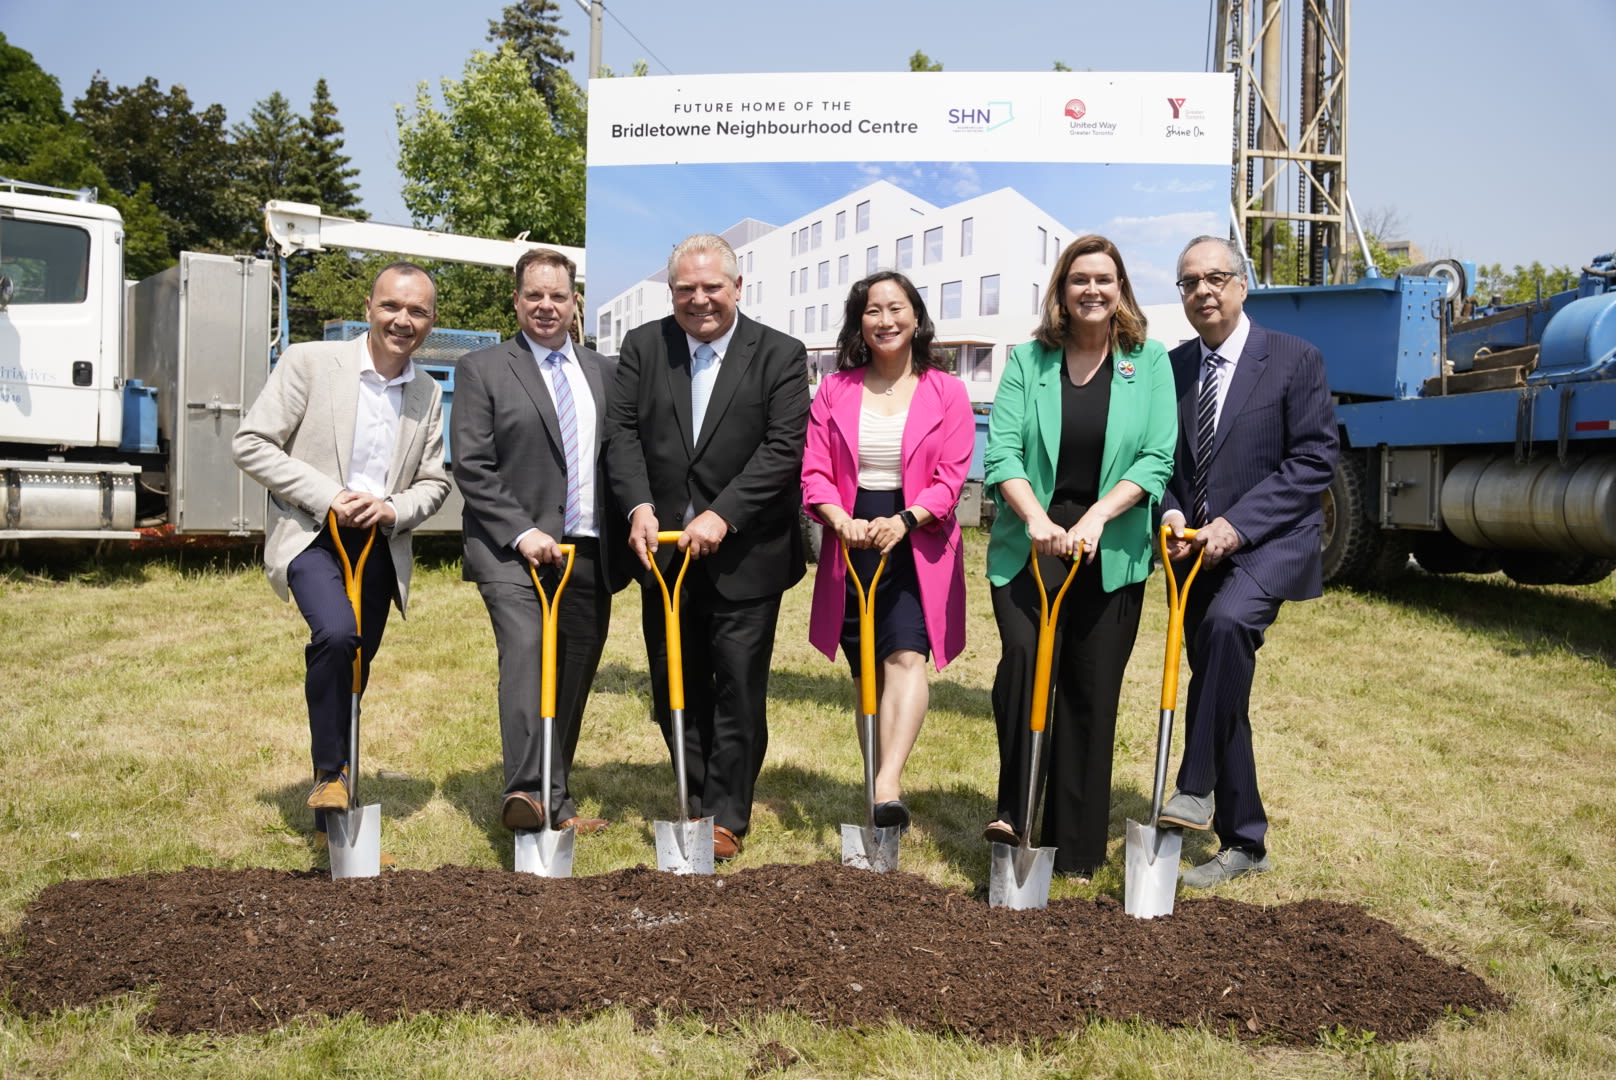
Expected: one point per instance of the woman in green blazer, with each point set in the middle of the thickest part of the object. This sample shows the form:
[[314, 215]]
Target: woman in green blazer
[[1080, 446]]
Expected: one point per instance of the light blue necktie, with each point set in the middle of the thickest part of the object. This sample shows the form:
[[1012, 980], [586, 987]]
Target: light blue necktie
[[567, 414], [703, 373]]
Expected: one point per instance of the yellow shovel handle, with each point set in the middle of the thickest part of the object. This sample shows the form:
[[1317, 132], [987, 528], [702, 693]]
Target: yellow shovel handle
[[670, 621], [353, 576], [1178, 598], [866, 630], [550, 611], [1048, 616]]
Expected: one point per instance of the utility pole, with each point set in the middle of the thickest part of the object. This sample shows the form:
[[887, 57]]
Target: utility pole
[[594, 9]]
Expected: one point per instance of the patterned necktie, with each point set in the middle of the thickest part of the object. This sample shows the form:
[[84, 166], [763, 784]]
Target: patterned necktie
[[1206, 426], [703, 373], [567, 414]]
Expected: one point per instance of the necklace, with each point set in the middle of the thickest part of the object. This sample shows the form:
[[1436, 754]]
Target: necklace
[[893, 385]]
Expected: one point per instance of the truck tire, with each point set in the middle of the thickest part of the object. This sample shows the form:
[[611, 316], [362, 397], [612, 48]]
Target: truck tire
[[1444, 553], [1548, 568], [1356, 550]]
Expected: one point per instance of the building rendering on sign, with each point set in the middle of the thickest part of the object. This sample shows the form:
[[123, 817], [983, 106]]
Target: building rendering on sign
[[981, 266]]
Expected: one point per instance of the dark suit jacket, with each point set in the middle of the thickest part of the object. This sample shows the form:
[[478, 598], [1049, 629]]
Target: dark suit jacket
[[748, 465], [509, 462], [1274, 453]]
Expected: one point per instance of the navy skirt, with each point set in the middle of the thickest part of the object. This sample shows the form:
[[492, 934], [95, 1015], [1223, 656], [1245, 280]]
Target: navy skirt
[[900, 622]]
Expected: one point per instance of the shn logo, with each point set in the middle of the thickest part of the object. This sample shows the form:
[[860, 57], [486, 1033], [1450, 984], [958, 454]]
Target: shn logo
[[1177, 103]]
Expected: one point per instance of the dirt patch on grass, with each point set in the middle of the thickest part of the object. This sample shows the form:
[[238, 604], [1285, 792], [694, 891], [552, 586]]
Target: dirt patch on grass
[[245, 950]]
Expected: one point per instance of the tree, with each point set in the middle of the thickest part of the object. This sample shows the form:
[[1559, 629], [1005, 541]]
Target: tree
[[328, 179], [269, 152], [143, 136], [533, 28], [1060, 65], [42, 144], [921, 62], [1522, 284], [494, 161]]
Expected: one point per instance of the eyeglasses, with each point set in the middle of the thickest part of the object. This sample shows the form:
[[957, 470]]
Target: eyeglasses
[[1216, 281]]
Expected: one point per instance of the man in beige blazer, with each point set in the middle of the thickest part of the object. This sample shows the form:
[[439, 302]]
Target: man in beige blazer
[[356, 430]]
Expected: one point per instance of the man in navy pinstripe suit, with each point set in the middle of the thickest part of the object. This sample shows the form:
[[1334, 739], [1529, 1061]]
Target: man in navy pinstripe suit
[[1257, 444]]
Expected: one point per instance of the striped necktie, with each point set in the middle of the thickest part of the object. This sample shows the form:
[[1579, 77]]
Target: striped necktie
[[567, 414], [1206, 426]]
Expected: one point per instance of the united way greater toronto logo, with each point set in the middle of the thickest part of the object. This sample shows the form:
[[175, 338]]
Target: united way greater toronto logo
[[1075, 112]]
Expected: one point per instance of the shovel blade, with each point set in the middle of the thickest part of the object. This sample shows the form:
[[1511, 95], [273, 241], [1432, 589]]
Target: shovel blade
[[545, 852], [1150, 878], [1018, 877], [870, 848], [354, 839], [685, 847]]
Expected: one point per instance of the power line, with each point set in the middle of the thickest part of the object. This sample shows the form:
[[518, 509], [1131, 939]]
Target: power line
[[637, 41]]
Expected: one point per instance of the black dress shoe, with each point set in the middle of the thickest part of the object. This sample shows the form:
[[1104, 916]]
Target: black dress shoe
[[892, 815], [521, 810]]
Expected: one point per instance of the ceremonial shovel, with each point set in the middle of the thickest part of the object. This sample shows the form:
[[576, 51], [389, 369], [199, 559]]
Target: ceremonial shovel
[[868, 846], [354, 835], [683, 846], [547, 851]]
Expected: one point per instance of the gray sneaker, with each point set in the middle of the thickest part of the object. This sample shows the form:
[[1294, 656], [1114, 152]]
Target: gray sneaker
[[1188, 811], [1226, 865]]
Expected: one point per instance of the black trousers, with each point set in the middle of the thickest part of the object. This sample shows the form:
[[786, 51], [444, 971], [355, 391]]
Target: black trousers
[[728, 646], [1094, 637], [582, 617], [1225, 621], [315, 580]]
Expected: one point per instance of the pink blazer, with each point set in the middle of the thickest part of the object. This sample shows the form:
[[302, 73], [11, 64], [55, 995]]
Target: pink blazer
[[938, 438]]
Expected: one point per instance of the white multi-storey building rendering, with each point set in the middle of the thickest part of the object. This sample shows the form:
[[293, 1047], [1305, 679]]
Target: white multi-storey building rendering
[[981, 266]]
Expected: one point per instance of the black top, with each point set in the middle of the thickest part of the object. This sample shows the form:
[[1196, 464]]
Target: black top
[[1082, 444]]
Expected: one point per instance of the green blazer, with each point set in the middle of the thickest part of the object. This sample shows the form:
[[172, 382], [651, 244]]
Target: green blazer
[[1141, 430]]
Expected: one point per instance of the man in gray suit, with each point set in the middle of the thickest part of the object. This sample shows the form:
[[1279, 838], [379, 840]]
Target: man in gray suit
[[529, 417], [351, 429]]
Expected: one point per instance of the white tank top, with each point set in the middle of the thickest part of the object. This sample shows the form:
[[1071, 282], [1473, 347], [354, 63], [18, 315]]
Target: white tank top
[[881, 451]]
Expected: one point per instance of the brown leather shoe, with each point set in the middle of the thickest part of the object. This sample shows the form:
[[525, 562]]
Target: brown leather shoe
[[521, 810], [726, 845], [585, 825], [330, 792]]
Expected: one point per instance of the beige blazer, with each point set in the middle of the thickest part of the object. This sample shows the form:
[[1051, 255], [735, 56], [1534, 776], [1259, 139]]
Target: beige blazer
[[296, 440]]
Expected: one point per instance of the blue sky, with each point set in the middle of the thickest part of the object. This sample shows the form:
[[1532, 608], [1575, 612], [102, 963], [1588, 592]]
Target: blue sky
[[1482, 124]]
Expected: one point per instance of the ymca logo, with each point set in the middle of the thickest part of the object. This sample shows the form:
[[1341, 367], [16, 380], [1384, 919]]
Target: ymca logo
[[1176, 104]]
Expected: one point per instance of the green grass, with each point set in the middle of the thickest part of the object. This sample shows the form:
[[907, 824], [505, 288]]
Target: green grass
[[1440, 754]]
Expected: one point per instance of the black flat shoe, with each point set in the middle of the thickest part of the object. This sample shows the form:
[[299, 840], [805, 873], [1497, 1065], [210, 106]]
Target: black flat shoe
[[892, 815]]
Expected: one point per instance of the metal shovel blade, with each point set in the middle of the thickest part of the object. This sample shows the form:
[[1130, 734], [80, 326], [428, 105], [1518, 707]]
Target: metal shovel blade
[[685, 847], [1018, 877], [545, 852], [871, 848], [354, 839], [1150, 878]]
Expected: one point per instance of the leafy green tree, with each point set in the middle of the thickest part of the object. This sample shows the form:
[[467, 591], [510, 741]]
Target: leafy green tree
[[144, 136], [495, 160], [41, 143], [533, 28], [921, 62], [1523, 283], [1060, 65]]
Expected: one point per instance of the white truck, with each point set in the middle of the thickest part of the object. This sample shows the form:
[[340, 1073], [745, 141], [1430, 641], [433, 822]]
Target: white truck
[[118, 400]]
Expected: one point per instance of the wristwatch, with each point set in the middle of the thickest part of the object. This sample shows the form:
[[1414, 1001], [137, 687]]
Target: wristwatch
[[909, 522]]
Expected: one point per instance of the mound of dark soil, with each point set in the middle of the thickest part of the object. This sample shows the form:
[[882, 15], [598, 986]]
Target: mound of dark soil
[[244, 950]]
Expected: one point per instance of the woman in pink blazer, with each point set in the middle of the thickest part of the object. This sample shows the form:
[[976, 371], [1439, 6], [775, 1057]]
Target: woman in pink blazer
[[890, 436]]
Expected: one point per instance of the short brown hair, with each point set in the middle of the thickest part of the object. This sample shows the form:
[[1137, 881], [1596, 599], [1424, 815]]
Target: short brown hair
[[546, 257]]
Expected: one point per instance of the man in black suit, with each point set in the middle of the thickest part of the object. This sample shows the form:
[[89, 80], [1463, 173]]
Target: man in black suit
[[528, 437], [1257, 444], [707, 424]]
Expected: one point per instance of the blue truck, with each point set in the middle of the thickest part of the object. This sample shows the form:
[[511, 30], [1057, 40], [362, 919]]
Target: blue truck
[[1474, 439]]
